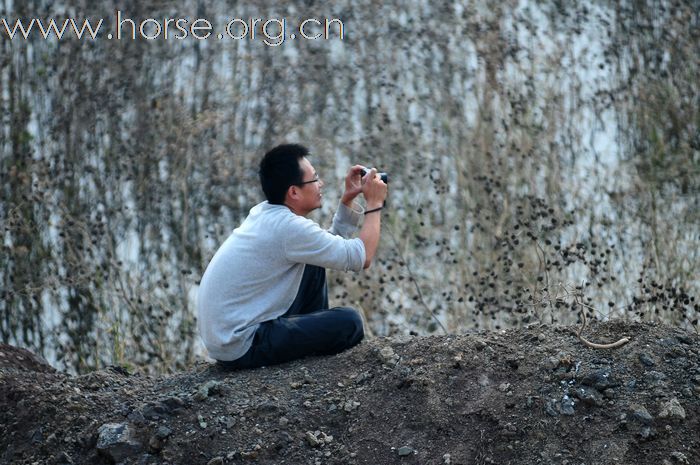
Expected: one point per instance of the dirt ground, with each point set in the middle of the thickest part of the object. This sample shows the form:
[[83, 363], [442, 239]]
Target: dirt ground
[[529, 396]]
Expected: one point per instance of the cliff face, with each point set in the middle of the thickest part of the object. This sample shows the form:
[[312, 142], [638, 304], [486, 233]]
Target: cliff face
[[528, 396]]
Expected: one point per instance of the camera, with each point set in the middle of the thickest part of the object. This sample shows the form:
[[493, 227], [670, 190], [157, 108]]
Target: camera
[[384, 176]]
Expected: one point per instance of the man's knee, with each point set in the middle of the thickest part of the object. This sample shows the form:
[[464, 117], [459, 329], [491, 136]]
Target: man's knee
[[352, 323]]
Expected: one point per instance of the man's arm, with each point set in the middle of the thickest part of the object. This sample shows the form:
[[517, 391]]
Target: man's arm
[[374, 190]]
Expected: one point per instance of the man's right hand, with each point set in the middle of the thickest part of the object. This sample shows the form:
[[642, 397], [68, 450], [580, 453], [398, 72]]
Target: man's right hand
[[374, 189]]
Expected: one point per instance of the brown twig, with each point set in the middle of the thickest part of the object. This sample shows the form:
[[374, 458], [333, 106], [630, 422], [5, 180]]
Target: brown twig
[[586, 342]]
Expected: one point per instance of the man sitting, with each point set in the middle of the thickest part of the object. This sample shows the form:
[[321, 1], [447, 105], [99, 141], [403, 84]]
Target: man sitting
[[263, 298]]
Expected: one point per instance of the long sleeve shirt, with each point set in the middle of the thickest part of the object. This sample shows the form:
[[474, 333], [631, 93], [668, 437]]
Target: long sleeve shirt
[[256, 273]]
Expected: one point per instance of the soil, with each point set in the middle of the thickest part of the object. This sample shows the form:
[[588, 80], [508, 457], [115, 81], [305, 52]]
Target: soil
[[528, 396]]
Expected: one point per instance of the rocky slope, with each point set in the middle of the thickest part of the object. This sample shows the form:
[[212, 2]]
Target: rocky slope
[[529, 396]]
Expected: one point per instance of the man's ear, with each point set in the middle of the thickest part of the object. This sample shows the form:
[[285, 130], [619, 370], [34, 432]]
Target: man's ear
[[292, 192]]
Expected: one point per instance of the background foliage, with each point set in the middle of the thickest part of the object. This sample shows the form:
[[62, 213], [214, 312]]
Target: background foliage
[[541, 154]]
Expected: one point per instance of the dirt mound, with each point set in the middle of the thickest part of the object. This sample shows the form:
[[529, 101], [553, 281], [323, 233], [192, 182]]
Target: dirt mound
[[528, 396]]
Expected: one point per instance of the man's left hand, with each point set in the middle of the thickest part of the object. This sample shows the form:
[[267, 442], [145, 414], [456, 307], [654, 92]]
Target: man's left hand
[[353, 184]]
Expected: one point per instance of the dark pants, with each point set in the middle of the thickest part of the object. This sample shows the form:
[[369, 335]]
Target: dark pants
[[307, 328]]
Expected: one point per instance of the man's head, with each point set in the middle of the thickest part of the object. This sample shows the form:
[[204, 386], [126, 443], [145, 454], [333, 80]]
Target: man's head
[[287, 178]]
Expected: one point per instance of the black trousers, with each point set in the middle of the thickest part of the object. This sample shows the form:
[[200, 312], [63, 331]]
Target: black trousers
[[307, 328]]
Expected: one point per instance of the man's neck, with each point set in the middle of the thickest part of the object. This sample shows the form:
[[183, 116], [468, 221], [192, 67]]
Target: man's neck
[[295, 211]]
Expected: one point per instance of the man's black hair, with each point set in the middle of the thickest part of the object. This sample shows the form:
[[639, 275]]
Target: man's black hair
[[280, 169]]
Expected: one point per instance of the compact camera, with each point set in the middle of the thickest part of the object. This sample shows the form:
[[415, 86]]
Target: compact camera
[[384, 176]]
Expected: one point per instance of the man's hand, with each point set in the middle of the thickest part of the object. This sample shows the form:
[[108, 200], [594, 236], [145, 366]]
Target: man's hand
[[374, 189], [353, 185]]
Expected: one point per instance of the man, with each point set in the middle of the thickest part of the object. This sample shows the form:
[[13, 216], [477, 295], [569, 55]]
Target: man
[[263, 298]]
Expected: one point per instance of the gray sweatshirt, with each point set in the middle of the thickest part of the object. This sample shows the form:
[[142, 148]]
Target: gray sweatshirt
[[256, 273]]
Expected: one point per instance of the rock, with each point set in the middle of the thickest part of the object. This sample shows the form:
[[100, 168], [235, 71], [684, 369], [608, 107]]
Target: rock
[[640, 413], [163, 432], [157, 440], [155, 444], [647, 433], [654, 377], [672, 409], [37, 436], [679, 457], [503, 387], [646, 360], [550, 408], [484, 380], [404, 451], [318, 438], [479, 344], [588, 396], [63, 459], [600, 379], [250, 454], [149, 412], [551, 363], [216, 461], [148, 459], [387, 356], [447, 459], [286, 437], [137, 418], [207, 389], [117, 441], [350, 405], [173, 403], [566, 406]]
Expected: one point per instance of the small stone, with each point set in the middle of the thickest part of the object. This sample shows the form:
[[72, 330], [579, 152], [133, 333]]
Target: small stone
[[404, 451], [207, 389], [551, 363], [137, 418], [249, 454], [484, 380], [286, 437], [541, 337], [654, 377], [479, 344], [118, 441], [550, 408], [318, 438], [173, 403], [640, 413], [163, 432], [350, 405], [312, 439], [679, 457], [284, 421], [646, 360], [600, 379], [672, 409], [63, 459], [588, 396], [156, 444], [216, 461], [647, 432], [447, 459], [296, 384], [503, 387], [566, 407], [388, 357]]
